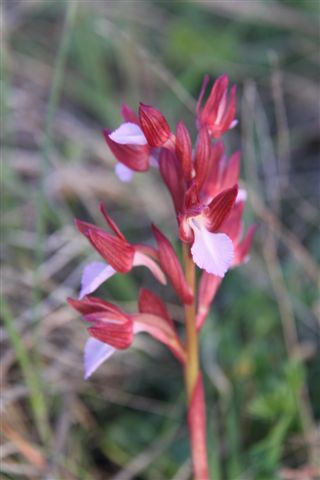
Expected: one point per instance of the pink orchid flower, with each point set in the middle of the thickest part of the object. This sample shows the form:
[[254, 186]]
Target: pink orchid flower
[[135, 142], [112, 329], [120, 255], [218, 113]]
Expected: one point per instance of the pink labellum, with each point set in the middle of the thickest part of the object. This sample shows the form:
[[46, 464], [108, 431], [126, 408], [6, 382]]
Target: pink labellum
[[154, 125], [95, 353], [128, 134], [197, 428], [124, 173], [171, 265], [135, 157], [142, 259], [93, 276], [212, 252], [208, 287]]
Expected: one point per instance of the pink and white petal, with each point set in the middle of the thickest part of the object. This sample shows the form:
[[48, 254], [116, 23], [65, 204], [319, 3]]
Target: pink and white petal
[[93, 276], [142, 259], [128, 134], [212, 252], [95, 353], [242, 195], [161, 330], [124, 173]]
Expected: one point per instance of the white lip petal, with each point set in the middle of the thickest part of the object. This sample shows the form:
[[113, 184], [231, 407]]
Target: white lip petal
[[242, 195], [95, 353], [124, 173], [213, 252], [128, 134], [94, 274]]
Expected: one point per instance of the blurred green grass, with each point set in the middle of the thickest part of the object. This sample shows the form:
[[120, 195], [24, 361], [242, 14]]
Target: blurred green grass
[[67, 67]]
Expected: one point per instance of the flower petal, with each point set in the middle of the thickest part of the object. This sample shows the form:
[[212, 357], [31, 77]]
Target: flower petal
[[124, 173], [160, 329], [208, 287], [128, 134], [94, 274], [135, 157], [154, 125], [172, 267], [142, 259], [211, 251], [95, 353]]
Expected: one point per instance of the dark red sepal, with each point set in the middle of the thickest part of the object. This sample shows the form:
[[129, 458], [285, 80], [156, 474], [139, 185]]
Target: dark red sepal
[[112, 224], [171, 266], [202, 158], [219, 208], [171, 173], [135, 157], [116, 251], [154, 125], [149, 302], [118, 335], [184, 150]]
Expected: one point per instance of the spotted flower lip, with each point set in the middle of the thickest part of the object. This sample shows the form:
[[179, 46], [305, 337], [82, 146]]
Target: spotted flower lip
[[112, 329], [217, 114]]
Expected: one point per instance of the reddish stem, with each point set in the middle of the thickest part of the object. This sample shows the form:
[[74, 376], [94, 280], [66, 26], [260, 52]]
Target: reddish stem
[[193, 380]]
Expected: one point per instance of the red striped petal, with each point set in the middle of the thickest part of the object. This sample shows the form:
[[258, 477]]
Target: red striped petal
[[184, 150], [219, 208], [112, 224], [118, 335], [202, 157], [116, 251], [154, 125]]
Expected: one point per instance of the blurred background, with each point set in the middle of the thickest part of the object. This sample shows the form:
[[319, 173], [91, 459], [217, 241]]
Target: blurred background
[[66, 69]]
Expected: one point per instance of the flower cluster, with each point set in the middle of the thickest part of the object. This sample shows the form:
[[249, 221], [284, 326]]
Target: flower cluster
[[203, 184]]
